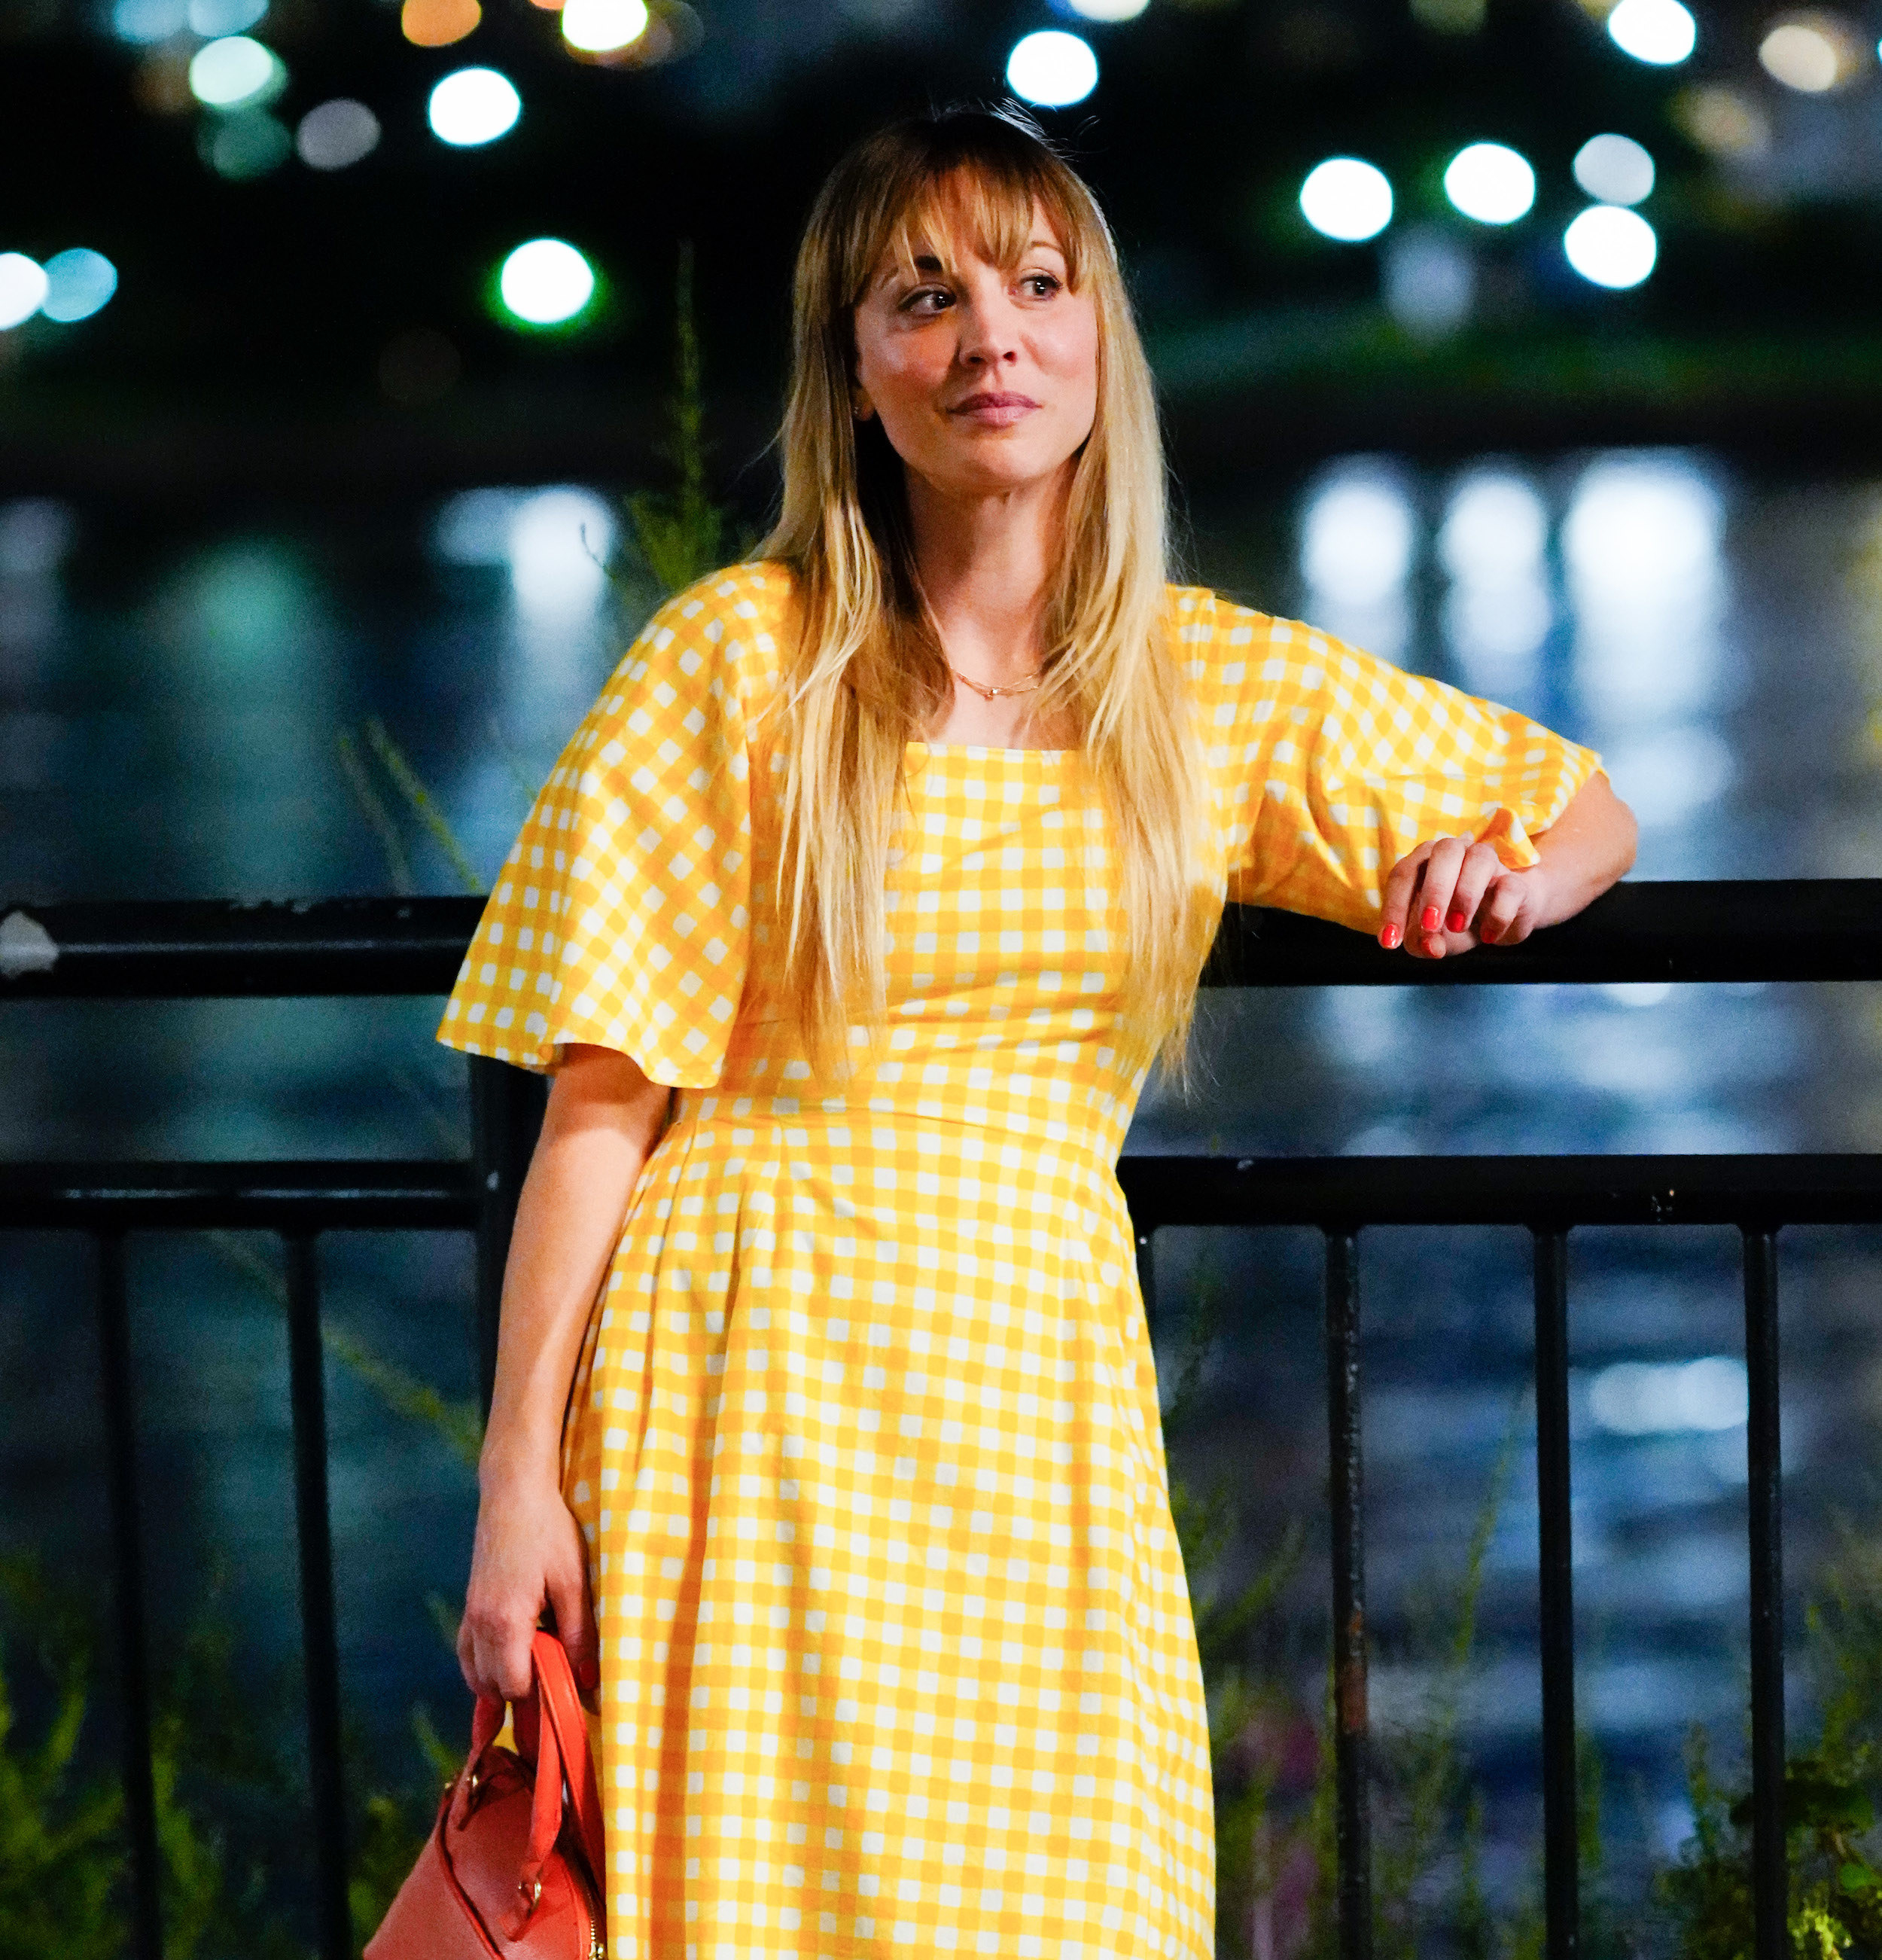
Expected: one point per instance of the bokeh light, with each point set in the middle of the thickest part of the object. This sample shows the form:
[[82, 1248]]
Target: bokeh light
[[1106, 10], [1051, 70], [475, 105], [1347, 198], [1490, 183], [546, 282], [1428, 281], [437, 23], [247, 144], [1611, 247], [78, 283], [1660, 32], [1723, 121], [145, 22], [601, 27], [210, 18], [1614, 170], [23, 284], [336, 135], [236, 72], [1812, 52], [1357, 540]]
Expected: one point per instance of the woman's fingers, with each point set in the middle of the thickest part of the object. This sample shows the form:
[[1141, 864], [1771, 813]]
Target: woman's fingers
[[1435, 902], [575, 1622], [1481, 866], [1396, 900], [1503, 918]]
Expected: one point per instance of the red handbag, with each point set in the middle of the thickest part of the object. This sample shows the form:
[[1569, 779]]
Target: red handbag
[[515, 1866]]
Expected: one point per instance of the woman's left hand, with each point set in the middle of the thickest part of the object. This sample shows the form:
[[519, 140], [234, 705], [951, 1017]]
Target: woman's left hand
[[1449, 895]]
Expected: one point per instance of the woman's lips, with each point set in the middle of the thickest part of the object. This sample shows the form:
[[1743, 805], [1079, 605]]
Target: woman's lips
[[995, 411]]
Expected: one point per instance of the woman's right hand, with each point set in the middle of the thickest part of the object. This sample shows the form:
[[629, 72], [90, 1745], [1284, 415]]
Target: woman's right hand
[[528, 1554]]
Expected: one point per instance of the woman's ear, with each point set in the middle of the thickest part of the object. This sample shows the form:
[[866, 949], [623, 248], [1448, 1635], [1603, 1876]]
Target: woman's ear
[[861, 407]]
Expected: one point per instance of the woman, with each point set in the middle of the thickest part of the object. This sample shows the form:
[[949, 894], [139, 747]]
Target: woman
[[850, 924]]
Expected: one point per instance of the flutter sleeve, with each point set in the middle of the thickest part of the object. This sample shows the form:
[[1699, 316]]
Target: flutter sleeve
[[1335, 764], [621, 915]]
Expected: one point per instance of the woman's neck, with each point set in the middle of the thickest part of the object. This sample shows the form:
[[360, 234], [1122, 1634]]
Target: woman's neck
[[985, 565]]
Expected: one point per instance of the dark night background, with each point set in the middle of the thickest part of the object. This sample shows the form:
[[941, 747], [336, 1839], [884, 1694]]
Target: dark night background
[[302, 471]]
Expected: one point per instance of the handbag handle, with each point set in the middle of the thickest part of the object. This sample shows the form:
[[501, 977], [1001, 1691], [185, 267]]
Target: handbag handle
[[561, 1705], [560, 1749]]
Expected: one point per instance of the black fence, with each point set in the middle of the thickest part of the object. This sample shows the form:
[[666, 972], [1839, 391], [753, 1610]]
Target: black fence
[[1814, 931]]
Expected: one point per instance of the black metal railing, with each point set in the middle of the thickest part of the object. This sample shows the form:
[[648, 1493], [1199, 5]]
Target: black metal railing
[[1812, 931]]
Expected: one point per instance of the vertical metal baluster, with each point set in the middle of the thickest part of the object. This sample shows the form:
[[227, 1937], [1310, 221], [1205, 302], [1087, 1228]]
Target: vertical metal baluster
[[1147, 1269], [1352, 1768], [307, 1387], [1763, 1461], [120, 1445], [1561, 1860], [507, 1106]]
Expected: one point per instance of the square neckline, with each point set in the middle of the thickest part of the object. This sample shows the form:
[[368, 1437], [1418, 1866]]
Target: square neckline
[[979, 751]]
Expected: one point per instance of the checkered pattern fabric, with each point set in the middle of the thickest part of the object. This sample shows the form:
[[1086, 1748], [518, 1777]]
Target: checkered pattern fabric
[[897, 1649]]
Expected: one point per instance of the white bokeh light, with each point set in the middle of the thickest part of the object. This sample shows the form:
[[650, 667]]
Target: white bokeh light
[[144, 22], [1493, 545], [546, 281], [234, 72], [473, 106], [1812, 53], [557, 545], [335, 135], [1614, 170], [1490, 183], [78, 283], [1649, 1398], [1346, 198], [1660, 32], [1611, 247], [1108, 10], [1494, 530], [1357, 543], [1051, 70], [23, 288], [210, 18], [601, 27]]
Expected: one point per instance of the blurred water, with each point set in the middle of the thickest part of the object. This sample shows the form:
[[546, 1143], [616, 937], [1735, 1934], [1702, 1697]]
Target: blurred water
[[169, 710]]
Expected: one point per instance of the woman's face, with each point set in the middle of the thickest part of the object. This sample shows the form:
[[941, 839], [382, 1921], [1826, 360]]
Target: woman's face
[[986, 380]]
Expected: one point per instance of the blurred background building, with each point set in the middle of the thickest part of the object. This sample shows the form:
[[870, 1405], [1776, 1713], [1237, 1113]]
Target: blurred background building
[[1529, 343]]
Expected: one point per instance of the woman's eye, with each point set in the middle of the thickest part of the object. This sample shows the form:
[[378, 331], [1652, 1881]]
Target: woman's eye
[[1043, 284], [919, 302]]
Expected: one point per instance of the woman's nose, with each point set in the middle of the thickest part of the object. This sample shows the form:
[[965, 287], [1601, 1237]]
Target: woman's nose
[[988, 330]]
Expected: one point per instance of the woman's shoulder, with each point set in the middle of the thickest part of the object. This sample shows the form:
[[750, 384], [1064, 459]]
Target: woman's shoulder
[[744, 601], [1221, 636]]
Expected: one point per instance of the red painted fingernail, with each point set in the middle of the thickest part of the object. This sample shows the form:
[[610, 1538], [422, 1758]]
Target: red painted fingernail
[[1487, 932], [1390, 936], [1429, 920], [1456, 922]]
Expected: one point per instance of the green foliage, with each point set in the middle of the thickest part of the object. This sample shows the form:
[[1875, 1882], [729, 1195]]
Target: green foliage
[[1835, 1907], [64, 1867], [677, 535], [457, 1422]]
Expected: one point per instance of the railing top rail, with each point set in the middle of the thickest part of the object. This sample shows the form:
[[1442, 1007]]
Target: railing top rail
[[1801, 929]]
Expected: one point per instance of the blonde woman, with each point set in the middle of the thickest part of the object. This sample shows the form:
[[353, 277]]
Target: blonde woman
[[849, 924]]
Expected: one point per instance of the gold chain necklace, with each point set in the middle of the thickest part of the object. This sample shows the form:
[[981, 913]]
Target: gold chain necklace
[[987, 692]]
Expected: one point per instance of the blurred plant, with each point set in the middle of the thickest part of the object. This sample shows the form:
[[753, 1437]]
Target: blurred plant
[[669, 539], [1835, 1906], [677, 535], [456, 1421], [1270, 1752]]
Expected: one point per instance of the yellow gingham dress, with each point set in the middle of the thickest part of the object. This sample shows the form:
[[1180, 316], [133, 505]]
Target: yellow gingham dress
[[896, 1649]]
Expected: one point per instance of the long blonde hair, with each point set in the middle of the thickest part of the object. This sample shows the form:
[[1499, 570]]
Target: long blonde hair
[[867, 674]]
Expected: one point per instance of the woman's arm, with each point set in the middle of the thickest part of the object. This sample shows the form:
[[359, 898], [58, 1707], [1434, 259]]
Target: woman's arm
[[1449, 895], [604, 1117]]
